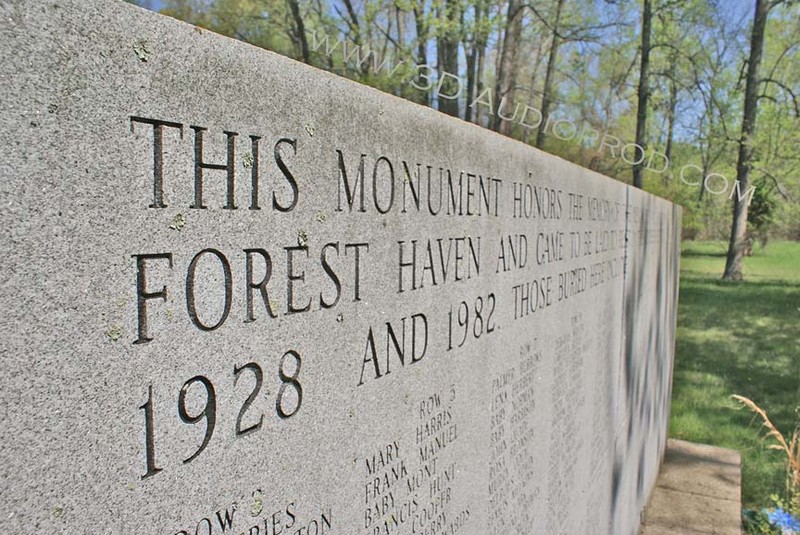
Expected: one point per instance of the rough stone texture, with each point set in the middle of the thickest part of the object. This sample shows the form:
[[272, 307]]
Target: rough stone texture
[[698, 491], [649, 322], [550, 419]]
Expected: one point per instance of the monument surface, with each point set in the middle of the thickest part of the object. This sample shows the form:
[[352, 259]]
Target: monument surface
[[245, 296]]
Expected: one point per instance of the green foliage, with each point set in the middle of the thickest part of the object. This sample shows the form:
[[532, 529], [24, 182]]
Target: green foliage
[[757, 521], [761, 214], [696, 90]]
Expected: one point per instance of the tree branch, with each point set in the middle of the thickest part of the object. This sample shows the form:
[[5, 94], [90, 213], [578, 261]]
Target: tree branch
[[347, 21], [775, 181], [574, 32], [785, 88], [388, 37], [349, 5]]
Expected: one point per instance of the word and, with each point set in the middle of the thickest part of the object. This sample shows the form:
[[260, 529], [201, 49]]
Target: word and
[[415, 348]]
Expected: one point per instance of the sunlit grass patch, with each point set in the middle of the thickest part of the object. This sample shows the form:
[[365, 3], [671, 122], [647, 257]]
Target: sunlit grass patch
[[738, 338]]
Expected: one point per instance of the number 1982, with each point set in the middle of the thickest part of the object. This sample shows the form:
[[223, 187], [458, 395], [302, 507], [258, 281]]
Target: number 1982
[[475, 320]]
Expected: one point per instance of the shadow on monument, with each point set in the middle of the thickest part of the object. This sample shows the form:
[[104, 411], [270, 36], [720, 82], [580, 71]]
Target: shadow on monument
[[649, 308]]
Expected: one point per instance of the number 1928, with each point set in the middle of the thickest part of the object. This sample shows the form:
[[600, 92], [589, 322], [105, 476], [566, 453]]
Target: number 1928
[[208, 413]]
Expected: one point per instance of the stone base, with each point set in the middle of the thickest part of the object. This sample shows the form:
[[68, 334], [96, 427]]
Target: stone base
[[698, 491]]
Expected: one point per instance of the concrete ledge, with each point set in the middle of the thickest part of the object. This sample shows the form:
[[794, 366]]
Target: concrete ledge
[[698, 492]]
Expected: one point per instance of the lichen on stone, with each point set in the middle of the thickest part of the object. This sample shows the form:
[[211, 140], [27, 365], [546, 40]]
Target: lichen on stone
[[142, 50], [247, 160], [258, 503], [302, 238], [178, 222], [114, 333]]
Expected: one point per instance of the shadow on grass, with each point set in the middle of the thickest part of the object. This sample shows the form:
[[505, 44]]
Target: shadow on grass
[[696, 252]]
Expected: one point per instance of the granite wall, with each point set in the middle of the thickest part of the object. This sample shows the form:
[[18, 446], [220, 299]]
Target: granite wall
[[243, 295]]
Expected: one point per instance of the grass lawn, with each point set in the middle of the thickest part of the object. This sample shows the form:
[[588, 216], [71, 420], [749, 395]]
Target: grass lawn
[[739, 338]]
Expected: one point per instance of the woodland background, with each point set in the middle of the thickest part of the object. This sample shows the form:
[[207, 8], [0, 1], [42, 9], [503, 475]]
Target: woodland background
[[672, 75]]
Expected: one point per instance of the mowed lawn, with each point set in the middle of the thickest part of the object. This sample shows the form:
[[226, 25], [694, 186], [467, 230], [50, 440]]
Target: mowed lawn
[[739, 338]]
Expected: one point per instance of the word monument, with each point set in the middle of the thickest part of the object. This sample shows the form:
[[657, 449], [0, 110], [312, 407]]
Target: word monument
[[244, 296]]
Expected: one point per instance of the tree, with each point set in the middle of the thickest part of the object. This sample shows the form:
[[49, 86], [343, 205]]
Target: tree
[[475, 52], [777, 160], [578, 26], [423, 27], [738, 242], [713, 78], [447, 54], [643, 93], [508, 66], [548, 79], [299, 34]]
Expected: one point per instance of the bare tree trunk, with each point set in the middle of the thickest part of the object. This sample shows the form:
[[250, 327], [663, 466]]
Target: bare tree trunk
[[400, 20], [706, 166], [387, 40], [358, 30], [479, 74], [447, 50], [318, 9], [548, 77], [475, 58], [702, 186], [500, 36], [738, 240], [300, 31], [641, 110], [472, 58], [471, 55], [422, 40], [353, 23], [537, 62], [673, 104], [507, 74]]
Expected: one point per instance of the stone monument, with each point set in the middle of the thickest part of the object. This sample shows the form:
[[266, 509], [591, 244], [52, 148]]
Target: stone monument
[[245, 296]]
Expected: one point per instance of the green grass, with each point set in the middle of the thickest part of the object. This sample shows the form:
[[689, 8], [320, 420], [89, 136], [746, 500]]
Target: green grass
[[739, 338]]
